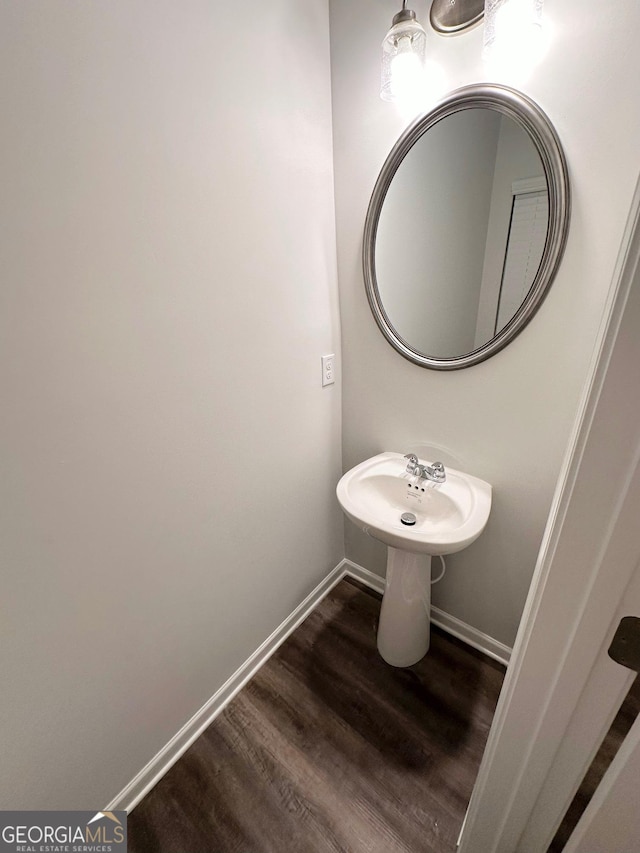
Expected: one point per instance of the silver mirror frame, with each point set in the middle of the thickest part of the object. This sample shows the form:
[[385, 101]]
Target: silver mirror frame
[[533, 120]]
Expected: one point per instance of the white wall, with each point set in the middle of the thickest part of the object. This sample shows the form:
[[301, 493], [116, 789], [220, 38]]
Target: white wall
[[169, 456], [506, 420], [429, 249]]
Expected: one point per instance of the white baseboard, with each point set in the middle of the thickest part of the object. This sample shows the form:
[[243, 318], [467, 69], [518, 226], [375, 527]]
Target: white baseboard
[[131, 795], [363, 575], [471, 636], [483, 642]]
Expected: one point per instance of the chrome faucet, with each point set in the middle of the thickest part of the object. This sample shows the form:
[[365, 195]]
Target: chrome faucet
[[413, 462], [435, 472]]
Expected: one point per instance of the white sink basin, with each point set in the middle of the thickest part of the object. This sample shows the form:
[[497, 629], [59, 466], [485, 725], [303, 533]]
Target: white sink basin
[[449, 515]]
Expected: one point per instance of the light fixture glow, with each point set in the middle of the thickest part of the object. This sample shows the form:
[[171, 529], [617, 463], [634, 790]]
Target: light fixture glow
[[513, 32], [403, 51]]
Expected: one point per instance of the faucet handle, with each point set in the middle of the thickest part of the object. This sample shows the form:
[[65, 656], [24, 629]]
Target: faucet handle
[[438, 472], [413, 462]]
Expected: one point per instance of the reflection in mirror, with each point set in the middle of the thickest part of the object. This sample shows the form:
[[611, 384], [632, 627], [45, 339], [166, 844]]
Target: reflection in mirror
[[461, 232], [466, 227]]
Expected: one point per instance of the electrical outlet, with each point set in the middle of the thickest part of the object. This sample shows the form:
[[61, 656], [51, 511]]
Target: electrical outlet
[[328, 369]]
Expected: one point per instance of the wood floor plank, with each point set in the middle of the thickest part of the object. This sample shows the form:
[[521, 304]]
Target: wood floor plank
[[330, 750]]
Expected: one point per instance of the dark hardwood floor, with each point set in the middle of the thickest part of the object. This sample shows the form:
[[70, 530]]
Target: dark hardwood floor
[[330, 749]]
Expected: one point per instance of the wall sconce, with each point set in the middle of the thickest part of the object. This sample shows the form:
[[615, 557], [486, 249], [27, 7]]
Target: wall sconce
[[403, 52], [513, 42], [513, 31], [449, 18]]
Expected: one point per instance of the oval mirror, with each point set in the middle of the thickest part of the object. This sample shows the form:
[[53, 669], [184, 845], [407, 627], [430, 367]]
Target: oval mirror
[[466, 227]]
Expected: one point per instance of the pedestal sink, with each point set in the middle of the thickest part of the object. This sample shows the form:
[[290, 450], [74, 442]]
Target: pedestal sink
[[448, 517]]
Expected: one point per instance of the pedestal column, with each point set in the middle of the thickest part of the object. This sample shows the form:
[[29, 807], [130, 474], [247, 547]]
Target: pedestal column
[[403, 632]]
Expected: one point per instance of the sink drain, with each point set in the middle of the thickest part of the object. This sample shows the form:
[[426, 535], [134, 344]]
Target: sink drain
[[408, 518]]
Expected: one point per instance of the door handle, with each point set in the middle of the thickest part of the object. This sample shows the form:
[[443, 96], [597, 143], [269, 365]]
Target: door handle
[[625, 646]]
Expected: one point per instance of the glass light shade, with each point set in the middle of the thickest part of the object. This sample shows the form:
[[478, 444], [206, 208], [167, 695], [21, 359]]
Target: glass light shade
[[403, 52], [513, 28]]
